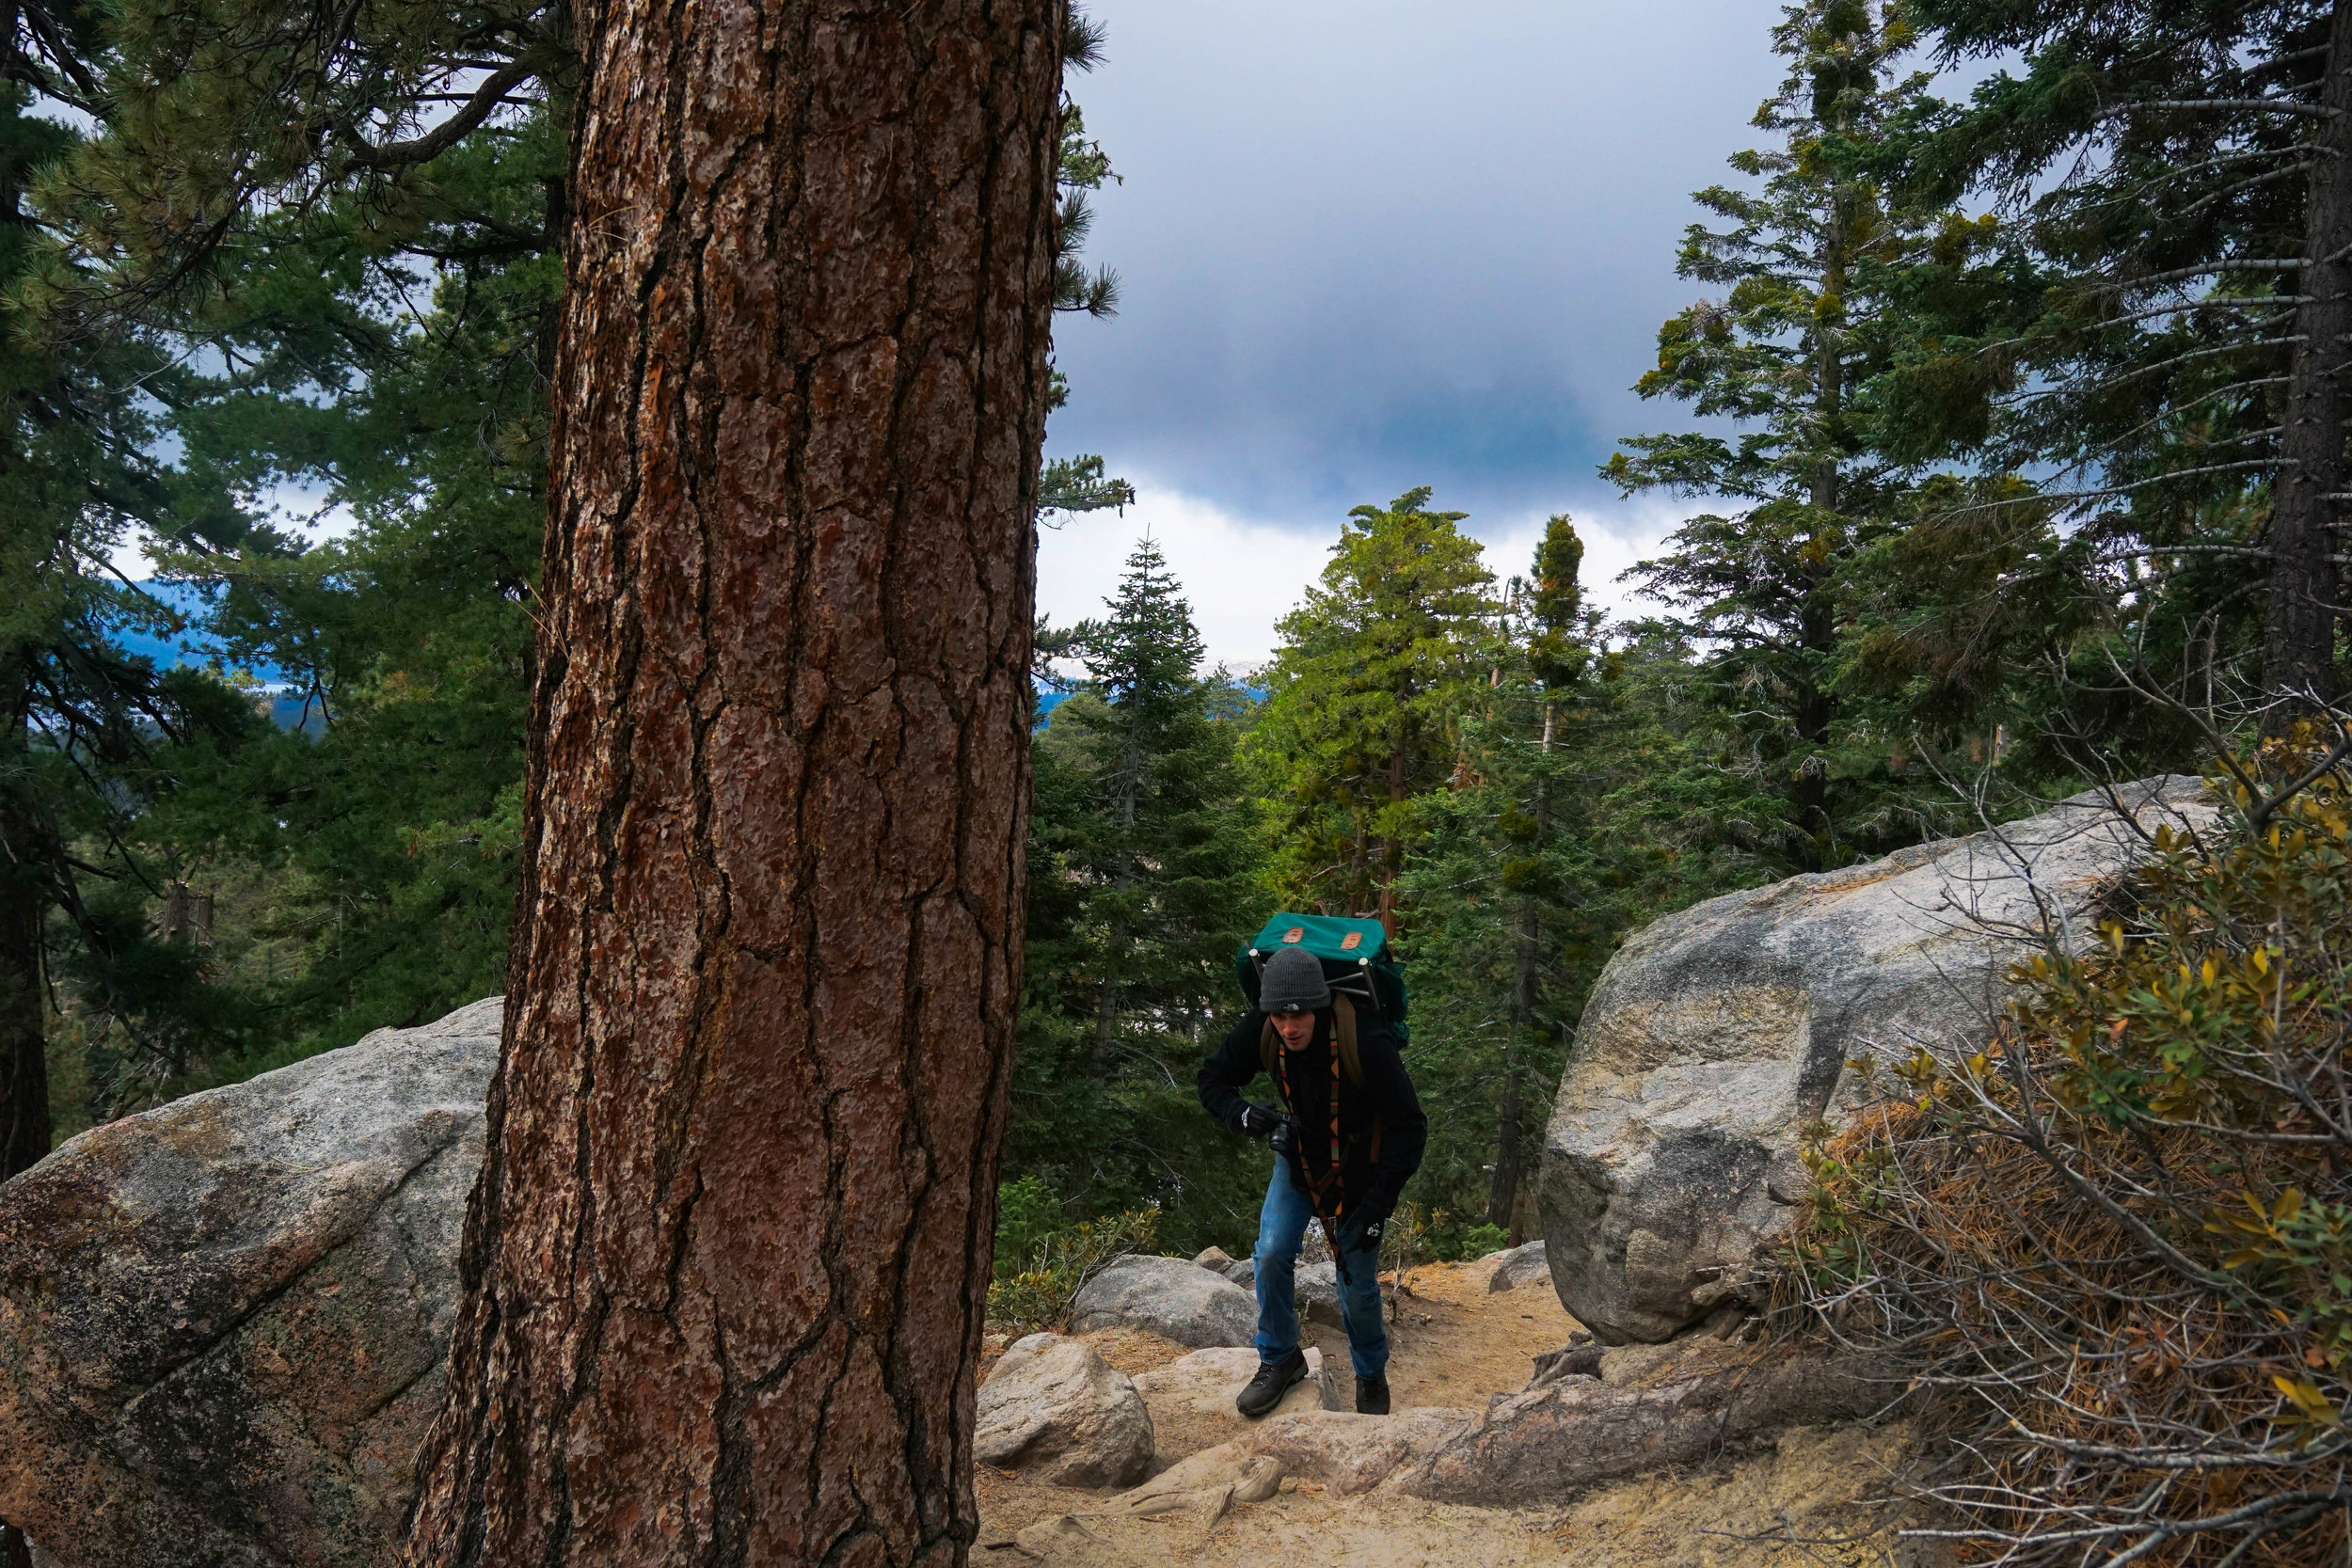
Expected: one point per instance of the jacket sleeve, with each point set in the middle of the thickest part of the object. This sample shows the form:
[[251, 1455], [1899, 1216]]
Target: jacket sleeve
[[1225, 1072], [1403, 1131]]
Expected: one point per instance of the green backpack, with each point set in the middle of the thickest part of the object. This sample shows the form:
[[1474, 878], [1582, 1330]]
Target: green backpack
[[1358, 962]]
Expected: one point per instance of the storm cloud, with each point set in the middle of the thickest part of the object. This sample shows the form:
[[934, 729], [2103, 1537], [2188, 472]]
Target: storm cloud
[[1383, 244]]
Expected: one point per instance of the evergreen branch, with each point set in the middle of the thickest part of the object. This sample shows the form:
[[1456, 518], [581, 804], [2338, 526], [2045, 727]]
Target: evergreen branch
[[2285, 106], [54, 44], [424, 149], [2169, 308], [2296, 264], [2156, 552], [2040, 497], [2176, 410], [2111, 383]]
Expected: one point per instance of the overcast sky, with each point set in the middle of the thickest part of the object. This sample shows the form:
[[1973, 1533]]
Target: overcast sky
[[1382, 244], [1376, 245]]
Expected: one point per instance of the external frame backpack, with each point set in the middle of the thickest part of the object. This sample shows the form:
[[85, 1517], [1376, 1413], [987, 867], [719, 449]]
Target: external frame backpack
[[1358, 965]]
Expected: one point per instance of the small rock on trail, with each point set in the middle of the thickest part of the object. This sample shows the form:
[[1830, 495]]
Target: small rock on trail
[[1053, 1407], [1520, 1265], [1169, 1298], [1192, 1398]]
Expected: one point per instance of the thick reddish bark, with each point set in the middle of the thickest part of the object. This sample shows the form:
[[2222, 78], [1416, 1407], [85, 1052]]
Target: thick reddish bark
[[726, 1263]]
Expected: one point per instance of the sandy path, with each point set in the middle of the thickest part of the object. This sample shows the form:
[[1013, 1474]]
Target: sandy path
[[1456, 1345]]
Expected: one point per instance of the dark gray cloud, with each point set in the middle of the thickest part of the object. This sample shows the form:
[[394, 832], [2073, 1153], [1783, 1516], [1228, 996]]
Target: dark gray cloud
[[1389, 243]]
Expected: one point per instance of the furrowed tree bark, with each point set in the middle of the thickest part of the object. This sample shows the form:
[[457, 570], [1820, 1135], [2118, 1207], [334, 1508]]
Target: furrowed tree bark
[[24, 1125], [2299, 656], [726, 1262]]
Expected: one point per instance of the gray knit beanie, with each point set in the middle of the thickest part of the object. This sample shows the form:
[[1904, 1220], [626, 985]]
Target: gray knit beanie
[[1293, 983]]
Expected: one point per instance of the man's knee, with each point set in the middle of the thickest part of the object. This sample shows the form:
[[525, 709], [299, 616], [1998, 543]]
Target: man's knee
[[1277, 1250]]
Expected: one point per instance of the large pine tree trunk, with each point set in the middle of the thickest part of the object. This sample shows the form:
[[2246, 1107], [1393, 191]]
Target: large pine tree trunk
[[2298, 656], [24, 1125], [725, 1266]]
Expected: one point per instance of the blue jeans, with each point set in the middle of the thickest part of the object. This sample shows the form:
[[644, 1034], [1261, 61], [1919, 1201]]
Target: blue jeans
[[1281, 1226]]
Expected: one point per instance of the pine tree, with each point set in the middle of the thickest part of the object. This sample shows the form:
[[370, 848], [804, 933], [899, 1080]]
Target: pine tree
[[1363, 694], [767, 943], [389, 822], [1502, 901], [1812, 264], [2177, 185], [1072, 484], [372, 280], [1144, 866], [1584, 803], [1166, 868], [87, 732]]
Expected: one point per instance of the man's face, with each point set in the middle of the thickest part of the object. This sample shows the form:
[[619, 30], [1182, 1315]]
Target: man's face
[[1296, 1029]]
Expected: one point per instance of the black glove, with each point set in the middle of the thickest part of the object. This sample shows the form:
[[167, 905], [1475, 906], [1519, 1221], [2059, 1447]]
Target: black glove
[[1362, 1232], [1259, 1121]]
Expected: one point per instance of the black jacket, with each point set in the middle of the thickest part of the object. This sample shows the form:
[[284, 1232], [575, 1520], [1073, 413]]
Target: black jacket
[[1371, 1186]]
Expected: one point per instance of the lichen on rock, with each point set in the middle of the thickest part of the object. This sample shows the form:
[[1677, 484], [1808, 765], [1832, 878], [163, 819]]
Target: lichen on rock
[[224, 1323]]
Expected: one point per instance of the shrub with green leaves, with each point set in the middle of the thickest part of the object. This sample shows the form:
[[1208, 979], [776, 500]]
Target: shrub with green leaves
[[2116, 1244], [1033, 1289]]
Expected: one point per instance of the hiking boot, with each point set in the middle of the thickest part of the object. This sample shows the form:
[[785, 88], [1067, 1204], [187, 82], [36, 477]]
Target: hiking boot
[[1372, 1396], [1273, 1381]]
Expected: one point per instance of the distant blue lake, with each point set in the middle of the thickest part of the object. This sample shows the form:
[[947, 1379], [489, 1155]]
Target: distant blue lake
[[197, 646]]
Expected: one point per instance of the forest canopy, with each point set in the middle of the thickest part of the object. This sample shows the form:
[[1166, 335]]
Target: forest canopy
[[1993, 400], [2008, 421]]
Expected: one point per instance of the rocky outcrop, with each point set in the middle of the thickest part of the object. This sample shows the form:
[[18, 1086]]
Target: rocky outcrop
[[1348, 1454], [1717, 1035], [1052, 1406], [1208, 1481], [1169, 1298], [1548, 1444], [1315, 1293], [1205, 1486], [224, 1323], [1520, 1265], [1196, 1393]]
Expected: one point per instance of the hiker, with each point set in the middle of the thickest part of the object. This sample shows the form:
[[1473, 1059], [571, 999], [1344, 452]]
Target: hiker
[[1351, 1135]]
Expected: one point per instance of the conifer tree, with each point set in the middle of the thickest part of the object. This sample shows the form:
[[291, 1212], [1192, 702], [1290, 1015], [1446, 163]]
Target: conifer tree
[[372, 277], [1810, 264], [1363, 694], [1143, 878], [85, 730], [1503, 903], [2176, 184], [1165, 865], [724, 1270]]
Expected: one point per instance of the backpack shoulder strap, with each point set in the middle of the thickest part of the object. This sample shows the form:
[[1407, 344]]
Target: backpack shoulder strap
[[1343, 1035], [1268, 1045]]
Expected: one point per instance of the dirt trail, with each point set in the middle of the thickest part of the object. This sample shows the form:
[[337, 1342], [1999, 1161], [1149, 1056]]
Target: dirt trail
[[1804, 1502]]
